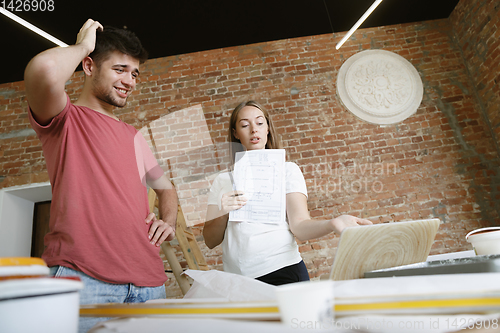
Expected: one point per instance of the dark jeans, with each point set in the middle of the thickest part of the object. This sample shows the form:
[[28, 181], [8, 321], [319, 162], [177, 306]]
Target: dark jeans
[[288, 274]]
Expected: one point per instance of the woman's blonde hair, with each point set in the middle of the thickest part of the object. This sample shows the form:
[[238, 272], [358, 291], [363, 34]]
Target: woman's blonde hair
[[273, 140]]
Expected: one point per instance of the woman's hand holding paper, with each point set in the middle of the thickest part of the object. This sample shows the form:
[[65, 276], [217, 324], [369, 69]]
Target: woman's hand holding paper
[[232, 201]]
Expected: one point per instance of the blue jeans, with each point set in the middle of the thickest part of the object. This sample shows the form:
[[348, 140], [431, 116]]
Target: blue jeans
[[96, 291]]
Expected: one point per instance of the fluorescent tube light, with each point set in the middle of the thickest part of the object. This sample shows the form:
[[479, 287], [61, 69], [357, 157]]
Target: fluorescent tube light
[[31, 27], [356, 26]]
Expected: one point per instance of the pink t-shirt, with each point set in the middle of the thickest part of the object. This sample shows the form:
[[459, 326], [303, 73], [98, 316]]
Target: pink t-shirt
[[98, 167]]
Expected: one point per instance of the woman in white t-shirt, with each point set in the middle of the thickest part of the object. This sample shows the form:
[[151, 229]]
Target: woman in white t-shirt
[[267, 252]]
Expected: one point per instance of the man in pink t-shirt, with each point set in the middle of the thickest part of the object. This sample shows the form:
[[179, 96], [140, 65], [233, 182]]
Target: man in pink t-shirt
[[101, 228]]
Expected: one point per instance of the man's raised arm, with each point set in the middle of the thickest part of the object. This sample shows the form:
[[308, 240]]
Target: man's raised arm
[[46, 74]]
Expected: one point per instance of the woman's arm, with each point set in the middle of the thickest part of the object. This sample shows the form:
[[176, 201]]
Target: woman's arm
[[215, 226], [304, 228]]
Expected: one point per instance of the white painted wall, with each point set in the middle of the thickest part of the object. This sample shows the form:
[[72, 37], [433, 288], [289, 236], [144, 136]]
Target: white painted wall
[[16, 217]]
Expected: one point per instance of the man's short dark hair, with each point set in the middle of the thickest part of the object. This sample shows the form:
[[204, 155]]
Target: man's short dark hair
[[112, 39]]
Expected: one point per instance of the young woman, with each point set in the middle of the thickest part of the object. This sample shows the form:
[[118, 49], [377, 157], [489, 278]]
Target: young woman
[[267, 252]]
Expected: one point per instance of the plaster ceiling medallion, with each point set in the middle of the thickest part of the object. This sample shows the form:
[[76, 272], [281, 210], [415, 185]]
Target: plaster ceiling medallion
[[380, 87]]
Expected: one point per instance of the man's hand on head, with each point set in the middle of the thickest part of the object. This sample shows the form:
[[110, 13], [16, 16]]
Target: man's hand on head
[[87, 34]]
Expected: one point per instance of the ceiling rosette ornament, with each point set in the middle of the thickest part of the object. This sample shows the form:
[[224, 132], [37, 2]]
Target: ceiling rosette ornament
[[379, 87]]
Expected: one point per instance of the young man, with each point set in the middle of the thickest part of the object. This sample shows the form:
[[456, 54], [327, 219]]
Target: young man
[[100, 225]]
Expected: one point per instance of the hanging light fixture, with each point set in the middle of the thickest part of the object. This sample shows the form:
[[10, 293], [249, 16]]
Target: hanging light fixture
[[32, 27], [360, 21]]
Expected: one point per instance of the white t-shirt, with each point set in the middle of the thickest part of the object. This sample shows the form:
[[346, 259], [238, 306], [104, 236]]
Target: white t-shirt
[[256, 249]]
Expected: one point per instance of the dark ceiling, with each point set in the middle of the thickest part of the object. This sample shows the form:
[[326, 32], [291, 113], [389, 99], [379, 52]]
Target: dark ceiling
[[171, 27]]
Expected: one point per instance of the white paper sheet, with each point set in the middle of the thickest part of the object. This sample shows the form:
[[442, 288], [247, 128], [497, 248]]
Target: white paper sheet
[[261, 175], [191, 325], [231, 287]]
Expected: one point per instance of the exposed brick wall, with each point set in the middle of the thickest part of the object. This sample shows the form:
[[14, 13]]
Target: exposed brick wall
[[442, 162], [477, 28]]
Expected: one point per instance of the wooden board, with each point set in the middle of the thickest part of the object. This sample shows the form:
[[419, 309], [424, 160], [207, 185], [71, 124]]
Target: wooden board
[[367, 248], [187, 241]]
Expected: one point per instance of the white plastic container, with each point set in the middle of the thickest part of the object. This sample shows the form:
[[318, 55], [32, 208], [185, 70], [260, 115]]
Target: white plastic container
[[306, 305], [485, 240], [39, 305], [32, 302]]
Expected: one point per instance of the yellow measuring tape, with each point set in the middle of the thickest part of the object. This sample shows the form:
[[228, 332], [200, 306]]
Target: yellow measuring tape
[[142, 309]]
